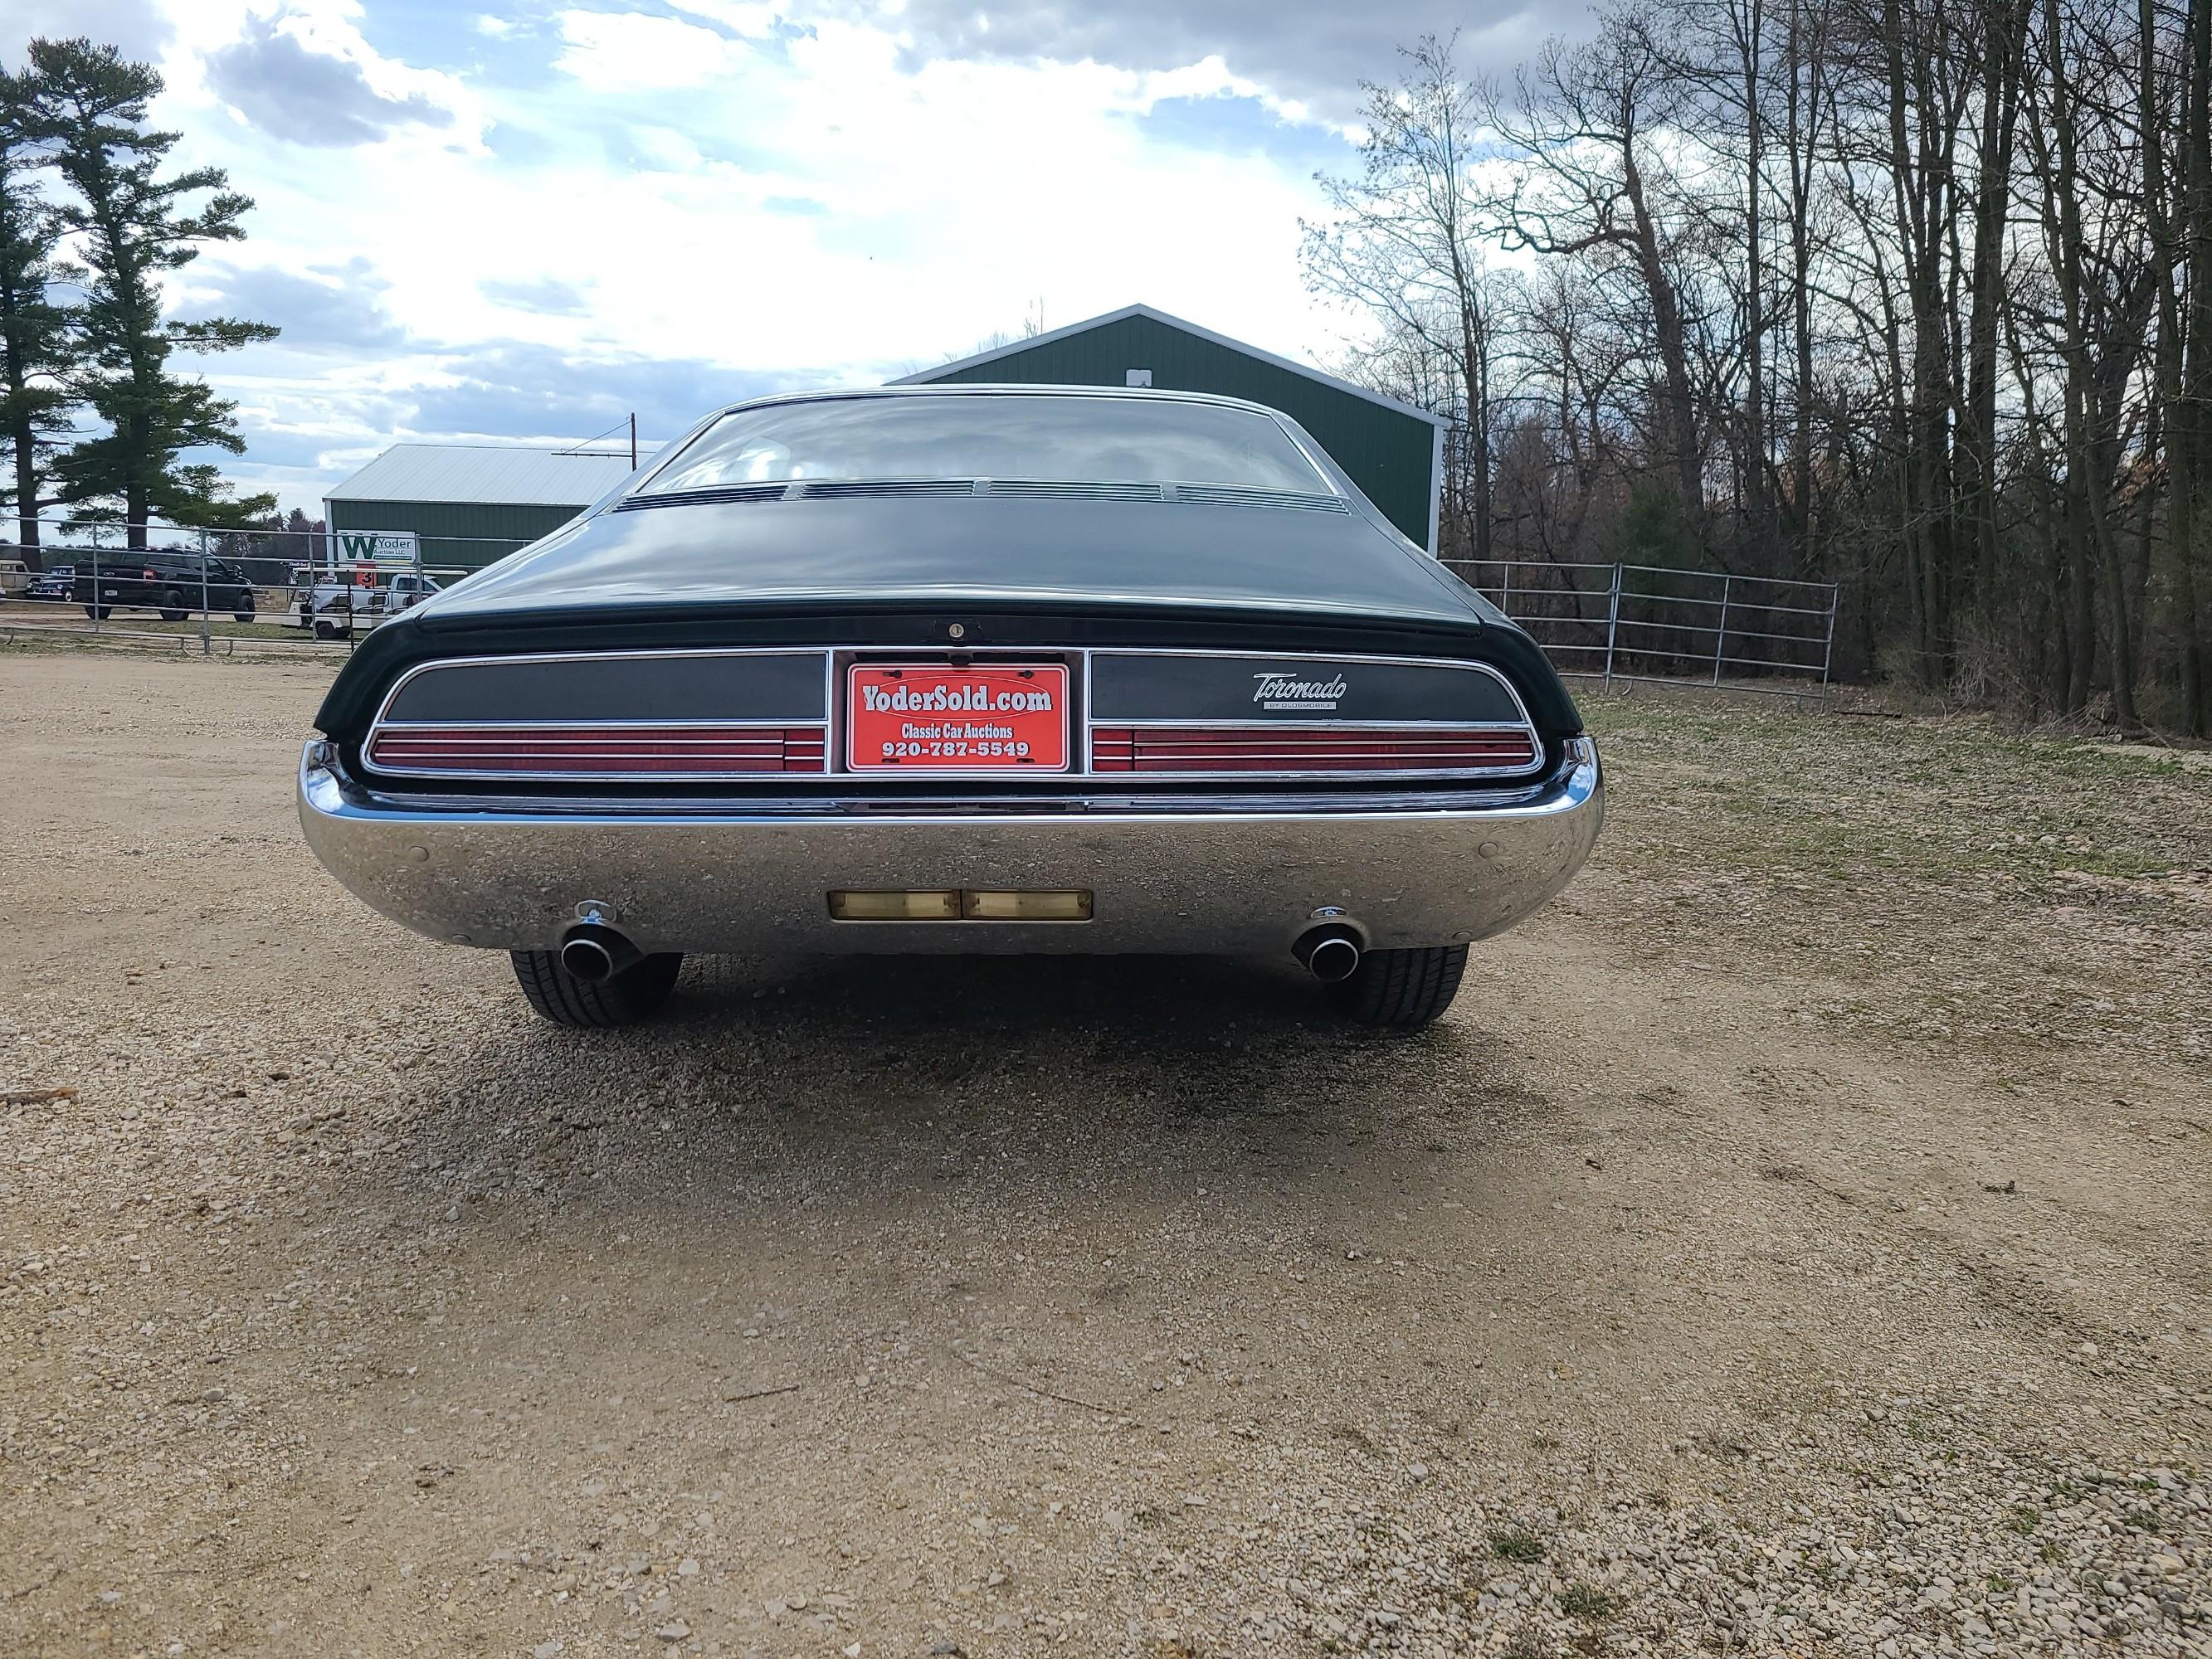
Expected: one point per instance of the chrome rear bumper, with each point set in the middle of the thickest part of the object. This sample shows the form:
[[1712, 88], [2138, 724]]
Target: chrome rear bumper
[[1223, 874]]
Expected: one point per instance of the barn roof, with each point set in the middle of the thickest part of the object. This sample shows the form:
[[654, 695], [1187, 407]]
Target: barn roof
[[505, 475], [1154, 314]]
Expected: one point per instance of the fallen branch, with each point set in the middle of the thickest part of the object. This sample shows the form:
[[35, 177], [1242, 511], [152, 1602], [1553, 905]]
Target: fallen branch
[[979, 1367], [35, 1096], [759, 1394]]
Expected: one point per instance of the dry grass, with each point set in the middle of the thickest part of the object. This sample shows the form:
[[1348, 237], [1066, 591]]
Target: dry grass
[[1940, 878]]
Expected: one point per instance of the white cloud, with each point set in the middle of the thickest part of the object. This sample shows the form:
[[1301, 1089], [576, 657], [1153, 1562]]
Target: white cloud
[[635, 51], [777, 204], [738, 15]]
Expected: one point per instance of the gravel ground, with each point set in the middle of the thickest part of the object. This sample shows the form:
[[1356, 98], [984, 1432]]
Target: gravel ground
[[1794, 1243]]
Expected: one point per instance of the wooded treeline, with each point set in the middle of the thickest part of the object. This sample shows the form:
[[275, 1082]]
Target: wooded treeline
[[93, 415], [1892, 293]]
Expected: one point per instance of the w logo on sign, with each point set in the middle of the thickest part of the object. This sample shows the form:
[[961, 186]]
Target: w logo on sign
[[379, 547]]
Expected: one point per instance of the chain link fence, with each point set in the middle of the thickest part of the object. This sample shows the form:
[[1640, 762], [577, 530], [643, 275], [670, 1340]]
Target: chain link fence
[[1647, 623]]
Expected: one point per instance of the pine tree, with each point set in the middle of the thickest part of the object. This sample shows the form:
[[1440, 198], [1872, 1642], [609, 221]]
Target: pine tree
[[36, 339], [134, 226]]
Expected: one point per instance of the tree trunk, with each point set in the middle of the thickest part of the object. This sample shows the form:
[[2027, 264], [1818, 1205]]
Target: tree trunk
[[2191, 440], [2004, 45], [1755, 317], [1681, 401], [2086, 481], [1919, 171], [1803, 111], [1474, 375], [135, 502], [25, 441]]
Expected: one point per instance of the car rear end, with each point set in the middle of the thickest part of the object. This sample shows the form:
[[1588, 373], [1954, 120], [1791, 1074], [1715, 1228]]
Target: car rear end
[[884, 718], [861, 794]]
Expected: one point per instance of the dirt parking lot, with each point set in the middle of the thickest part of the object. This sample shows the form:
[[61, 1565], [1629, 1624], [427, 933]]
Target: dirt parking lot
[[1795, 1241]]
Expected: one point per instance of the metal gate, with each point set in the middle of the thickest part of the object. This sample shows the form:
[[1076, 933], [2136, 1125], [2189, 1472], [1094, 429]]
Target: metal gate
[[1647, 623]]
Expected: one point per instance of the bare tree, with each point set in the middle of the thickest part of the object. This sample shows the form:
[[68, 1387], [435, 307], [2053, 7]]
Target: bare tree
[[1401, 244], [1913, 293], [1588, 123]]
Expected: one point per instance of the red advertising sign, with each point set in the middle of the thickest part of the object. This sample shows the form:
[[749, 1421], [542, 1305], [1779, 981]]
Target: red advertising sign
[[922, 717]]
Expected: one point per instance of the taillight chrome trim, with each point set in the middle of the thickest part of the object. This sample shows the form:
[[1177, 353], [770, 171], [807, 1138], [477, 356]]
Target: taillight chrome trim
[[624, 750], [1082, 662], [1318, 750]]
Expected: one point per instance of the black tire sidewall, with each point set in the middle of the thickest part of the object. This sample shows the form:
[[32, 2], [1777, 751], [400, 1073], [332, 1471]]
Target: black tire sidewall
[[1404, 989], [632, 996]]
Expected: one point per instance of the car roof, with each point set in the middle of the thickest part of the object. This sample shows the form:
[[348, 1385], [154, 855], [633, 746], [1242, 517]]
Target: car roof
[[1001, 389]]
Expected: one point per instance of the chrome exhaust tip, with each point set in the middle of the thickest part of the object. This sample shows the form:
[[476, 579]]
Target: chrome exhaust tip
[[1329, 954], [595, 954]]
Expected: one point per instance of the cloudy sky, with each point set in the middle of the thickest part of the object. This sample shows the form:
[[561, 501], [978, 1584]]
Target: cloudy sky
[[523, 221]]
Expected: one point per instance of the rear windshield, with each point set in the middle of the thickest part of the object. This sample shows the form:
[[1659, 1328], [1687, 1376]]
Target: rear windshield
[[1107, 439]]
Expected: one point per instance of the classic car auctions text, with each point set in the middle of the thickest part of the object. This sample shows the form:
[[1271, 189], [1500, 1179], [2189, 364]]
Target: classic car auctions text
[[945, 699]]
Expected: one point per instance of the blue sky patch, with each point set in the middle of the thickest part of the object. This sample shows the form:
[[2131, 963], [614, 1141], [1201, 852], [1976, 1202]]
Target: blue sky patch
[[1242, 126]]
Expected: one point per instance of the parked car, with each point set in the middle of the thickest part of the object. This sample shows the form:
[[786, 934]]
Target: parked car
[[15, 578], [334, 606], [960, 669], [171, 580], [57, 582]]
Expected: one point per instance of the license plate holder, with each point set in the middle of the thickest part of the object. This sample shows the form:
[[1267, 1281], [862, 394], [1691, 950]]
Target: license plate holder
[[932, 717]]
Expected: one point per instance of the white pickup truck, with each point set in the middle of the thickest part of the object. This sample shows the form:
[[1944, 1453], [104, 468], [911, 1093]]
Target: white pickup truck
[[334, 606]]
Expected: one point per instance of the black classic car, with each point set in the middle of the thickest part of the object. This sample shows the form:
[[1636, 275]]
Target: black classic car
[[960, 669], [55, 582], [175, 581]]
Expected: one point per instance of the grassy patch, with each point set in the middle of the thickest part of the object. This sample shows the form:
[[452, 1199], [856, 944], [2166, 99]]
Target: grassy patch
[[1937, 879], [1587, 1604], [1826, 794], [1522, 1546]]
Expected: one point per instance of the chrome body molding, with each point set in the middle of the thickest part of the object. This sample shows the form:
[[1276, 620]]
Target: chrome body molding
[[1197, 873]]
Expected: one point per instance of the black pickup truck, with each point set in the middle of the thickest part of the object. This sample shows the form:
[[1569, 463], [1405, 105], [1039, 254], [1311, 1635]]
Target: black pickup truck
[[172, 581]]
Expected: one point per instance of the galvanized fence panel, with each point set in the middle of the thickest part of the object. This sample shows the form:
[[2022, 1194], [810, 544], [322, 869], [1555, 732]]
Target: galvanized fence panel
[[1650, 624], [1602, 622], [302, 594]]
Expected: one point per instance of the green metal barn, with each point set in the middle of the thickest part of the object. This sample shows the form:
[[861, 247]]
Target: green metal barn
[[1393, 451], [468, 504]]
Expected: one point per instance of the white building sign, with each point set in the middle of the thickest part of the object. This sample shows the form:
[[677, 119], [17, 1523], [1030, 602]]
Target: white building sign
[[378, 547]]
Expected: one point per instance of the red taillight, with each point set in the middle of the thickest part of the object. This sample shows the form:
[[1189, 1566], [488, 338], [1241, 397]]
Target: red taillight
[[598, 750], [1309, 749]]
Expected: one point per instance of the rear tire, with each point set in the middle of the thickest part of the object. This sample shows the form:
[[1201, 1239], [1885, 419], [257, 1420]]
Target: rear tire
[[100, 612], [173, 606], [1403, 990], [631, 995]]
